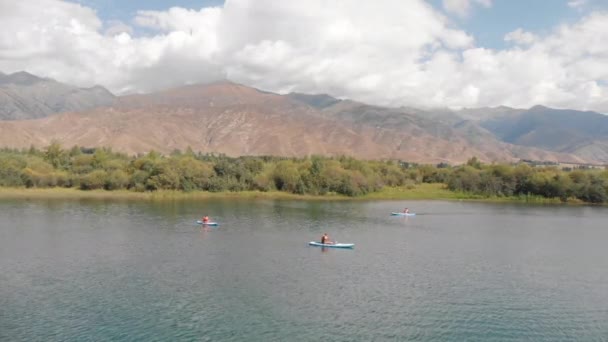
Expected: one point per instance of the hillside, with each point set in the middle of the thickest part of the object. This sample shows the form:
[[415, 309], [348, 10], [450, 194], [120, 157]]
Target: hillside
[[228, 118], [584, 134], [444, 131], [25, 96]]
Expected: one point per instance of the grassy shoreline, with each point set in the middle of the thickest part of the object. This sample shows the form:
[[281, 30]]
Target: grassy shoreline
[[419, 192]]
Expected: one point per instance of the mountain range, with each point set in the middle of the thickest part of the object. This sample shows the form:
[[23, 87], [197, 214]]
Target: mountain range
[[225, 117], [25, 96]]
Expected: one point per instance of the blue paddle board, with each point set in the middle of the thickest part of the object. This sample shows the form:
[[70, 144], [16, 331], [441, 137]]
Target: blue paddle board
[[207, 223], [332, 245]]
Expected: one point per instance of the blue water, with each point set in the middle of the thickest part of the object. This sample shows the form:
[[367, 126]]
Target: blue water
[[142, 271]]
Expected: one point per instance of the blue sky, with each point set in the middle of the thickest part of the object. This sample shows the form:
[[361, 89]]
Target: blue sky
[[434, 53], [487, 25], [125, 10]]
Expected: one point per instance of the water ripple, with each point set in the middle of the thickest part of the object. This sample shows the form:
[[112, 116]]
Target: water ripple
[[103, 271]]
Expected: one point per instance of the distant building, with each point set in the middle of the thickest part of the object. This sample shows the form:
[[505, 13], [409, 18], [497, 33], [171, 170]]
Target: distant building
[[566, 166]]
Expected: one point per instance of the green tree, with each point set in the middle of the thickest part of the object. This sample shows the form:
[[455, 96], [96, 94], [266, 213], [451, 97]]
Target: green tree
[[10, 170], [194, 174], [93, 180], [116, 179], [56, 156], [286, 176]]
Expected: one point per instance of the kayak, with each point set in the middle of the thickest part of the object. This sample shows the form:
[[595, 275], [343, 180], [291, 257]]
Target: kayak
[[403, 214], [332, 245], [207, 223]]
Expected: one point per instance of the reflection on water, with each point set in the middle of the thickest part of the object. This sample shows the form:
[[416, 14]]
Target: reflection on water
[[123, 271]]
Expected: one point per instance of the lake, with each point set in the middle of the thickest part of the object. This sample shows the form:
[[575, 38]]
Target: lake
[[143, 271]]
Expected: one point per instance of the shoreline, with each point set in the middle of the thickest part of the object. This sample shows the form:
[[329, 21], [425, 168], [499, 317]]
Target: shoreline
[[423, 191]]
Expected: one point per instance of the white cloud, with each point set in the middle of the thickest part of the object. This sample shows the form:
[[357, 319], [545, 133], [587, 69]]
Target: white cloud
[[520, 36], [463, 7], [577, 3], [116, 27], [391, 52]]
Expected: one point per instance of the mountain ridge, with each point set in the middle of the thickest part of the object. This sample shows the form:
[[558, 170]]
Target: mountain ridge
[[25, 96], [235, 119]]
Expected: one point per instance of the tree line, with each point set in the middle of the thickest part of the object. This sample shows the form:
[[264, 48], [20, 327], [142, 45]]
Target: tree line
[[102, 168], [502, 180]]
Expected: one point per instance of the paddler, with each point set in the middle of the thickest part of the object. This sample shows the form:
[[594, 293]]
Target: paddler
[[325, 239]]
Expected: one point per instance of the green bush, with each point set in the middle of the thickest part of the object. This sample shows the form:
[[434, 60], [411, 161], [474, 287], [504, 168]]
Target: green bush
[[94, 180], [97, 168]]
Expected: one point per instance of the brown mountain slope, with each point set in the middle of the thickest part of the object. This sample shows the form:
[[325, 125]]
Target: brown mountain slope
[[467, 135], [237, 120]]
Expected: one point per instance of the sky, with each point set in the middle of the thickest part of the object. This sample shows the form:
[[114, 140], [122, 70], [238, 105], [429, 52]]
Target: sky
[[417, 53]]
